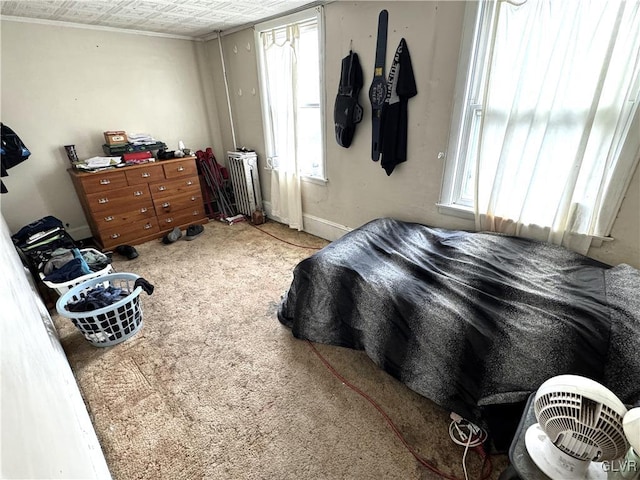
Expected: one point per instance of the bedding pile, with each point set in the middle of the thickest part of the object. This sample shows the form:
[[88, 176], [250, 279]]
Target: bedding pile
[[472, 321]]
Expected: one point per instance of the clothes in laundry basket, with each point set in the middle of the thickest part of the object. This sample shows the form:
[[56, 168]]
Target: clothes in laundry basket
[[69, 270], [59, 258], [101, 296], [95, 260], [96, 298]]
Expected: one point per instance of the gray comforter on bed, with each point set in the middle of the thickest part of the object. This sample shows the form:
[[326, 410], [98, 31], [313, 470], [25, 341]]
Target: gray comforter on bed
[[470, 320]]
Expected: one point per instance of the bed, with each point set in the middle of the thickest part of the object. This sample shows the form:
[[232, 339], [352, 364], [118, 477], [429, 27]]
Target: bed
[[473, 321]]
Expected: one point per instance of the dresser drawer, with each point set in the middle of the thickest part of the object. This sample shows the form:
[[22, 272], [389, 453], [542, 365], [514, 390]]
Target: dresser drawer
[[144, 174], [171, 188], [103, 181], [127, 198], [124, 234], [118, 218], [177, 203], [188, 216], [183, 168]]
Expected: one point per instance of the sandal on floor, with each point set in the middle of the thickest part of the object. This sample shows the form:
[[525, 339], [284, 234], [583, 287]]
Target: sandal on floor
[[172, 236], [193, 231]]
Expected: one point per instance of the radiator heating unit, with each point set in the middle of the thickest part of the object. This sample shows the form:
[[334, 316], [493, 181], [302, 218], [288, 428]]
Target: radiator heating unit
[[243, 171]]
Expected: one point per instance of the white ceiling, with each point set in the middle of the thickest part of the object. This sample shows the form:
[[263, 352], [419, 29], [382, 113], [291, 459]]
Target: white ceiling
[[188, 18]]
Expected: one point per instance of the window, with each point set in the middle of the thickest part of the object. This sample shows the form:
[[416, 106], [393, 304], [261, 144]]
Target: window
[[546, 95], [291, 78], [459, 178]]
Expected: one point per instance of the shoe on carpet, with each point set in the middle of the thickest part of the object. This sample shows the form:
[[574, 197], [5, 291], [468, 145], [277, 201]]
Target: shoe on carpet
[[172, 236], [193, 231], [127, 251]]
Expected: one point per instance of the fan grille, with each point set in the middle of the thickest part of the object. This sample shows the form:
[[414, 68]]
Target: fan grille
[[581, 427]]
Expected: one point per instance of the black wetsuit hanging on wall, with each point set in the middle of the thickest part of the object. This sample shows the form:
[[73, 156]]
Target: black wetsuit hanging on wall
[[347, 112], [401, 86]]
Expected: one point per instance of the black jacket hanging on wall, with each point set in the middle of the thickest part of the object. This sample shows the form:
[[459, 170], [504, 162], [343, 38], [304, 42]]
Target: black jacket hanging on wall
[[13, 152], [400, 88], [347, 112]]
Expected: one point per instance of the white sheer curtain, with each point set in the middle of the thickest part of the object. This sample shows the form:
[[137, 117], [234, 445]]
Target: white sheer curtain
[[559, 104], [280, 65]]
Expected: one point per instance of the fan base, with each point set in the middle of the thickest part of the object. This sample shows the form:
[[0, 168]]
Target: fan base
[[555, 463]]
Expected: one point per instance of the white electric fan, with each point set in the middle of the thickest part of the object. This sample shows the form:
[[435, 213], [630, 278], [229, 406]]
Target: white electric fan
[[580, 424], [631, 425]]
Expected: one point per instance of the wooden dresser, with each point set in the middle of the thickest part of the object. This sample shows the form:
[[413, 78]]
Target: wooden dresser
[[131, 205]]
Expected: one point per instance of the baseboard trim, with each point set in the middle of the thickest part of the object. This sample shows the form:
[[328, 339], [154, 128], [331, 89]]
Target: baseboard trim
[[317, 226], [323, 228]]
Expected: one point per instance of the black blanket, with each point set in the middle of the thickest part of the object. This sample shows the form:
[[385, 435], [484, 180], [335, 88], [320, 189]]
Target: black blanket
[[473, 321]]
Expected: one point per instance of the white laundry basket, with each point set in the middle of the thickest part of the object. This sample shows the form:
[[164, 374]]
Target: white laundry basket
[[64, 287], [112, 324]]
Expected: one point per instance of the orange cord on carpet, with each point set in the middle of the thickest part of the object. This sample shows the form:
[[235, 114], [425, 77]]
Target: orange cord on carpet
[[424, 462], [284, 241]]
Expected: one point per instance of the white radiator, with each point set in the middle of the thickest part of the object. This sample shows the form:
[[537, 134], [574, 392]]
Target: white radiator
[[243, 170]]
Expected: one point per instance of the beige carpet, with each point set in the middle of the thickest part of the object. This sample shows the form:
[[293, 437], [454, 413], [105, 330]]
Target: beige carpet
[[214, 387]]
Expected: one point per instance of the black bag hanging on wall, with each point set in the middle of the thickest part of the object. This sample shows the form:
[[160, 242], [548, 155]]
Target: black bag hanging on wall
[[13, 152], [347, 112]]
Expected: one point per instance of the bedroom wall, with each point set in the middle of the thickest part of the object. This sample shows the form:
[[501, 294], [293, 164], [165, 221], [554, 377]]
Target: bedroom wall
[[244, 96], [67, 85], [63, 85], [358, 190]]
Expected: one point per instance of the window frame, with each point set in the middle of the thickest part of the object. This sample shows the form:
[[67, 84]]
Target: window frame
[[317, 14], [484, 14], [468, 89]]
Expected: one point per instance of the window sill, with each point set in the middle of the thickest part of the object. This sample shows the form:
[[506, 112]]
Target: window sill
[[597, 242], [304, 178], [467, 214], [455, 211], [316, 180]]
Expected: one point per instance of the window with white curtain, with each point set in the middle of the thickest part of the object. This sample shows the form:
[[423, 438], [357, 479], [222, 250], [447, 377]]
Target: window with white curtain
[[544, 141], [292, 84]]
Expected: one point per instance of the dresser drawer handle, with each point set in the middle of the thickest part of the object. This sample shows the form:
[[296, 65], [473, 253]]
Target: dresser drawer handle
[[189, 182], [180, 168], [147, 226], [108, 219], [144, 210], [115, 235], [196, 213], [162, 188], [166, 205], [138, 193], [103, 200], [105, 181], [169, 220], [193, 199], [146, 175]]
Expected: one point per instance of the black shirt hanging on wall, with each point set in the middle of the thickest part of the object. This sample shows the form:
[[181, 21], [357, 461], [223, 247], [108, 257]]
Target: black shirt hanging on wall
[[400, 88]]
